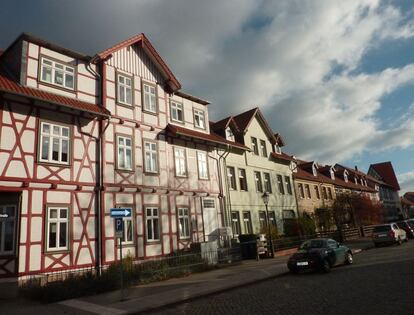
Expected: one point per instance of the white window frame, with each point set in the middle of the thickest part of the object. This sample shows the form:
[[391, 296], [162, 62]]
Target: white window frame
[[180, 159], [243, 178], [258, 181], [235, 223], [3, 222], [263, 148], [231, 177], [175, 108], [201, 122], [184, 223], [267, 182], [61, 138], [247, 222], [255, 146], [56, 67], [57, 221], [152, 219], [202, 165], [230, 134], [125, 87], [278, 149], [128, 221], [151, 155], [123, 149], [279, 179], [150, 91], [288, 185]]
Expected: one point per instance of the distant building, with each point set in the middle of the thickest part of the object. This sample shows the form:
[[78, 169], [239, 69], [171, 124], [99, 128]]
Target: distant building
[[388, 188], [407, 203]]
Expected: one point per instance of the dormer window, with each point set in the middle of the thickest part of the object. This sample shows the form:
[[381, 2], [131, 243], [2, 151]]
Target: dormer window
[[278, 150], [362, 182], [345, 176], [229, 134], [332, 174], [57, 73], [314, 170], [199, 120], [177, 112], [356, 181]]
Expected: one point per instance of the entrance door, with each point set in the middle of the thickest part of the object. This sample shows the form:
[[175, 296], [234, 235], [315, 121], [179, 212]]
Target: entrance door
[[7, 229]]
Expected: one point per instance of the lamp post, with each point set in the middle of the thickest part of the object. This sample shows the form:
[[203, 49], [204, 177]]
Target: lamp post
[[265, 198]]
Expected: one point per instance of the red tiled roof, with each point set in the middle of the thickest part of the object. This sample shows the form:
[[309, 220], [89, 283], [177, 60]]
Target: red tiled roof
[[320, 178], [211, 137], [224, 123], [10, 86], [407, 201], [243, 120], [386, 171], [141, 38], [282, 156]]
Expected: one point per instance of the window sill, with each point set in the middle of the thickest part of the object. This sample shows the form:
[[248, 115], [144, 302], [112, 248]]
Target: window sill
[[57, 251], [69, 165], [56, 86], [145, 111]]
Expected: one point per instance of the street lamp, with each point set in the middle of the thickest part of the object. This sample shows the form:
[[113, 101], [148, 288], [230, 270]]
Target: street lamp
[[265, 198]]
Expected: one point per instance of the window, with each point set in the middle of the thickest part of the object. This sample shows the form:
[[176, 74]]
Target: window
[[332, 174], [229, 134], [267, 183], [151, 157], [288, 214], [288, 185], [124, 161], [258, 180], [202, 165], [330, 193], [308, 192], [124, 89], [7, 228], [184, 222], [180, 162], [272, 218], [356, 181], [231, 177], [345, 176], [242, 179], [254, 146], [127, 236], [199, 120], [177, 112], [324, 195], [278, 150], [57, 73], [150, 98], [262, 219], [317, 191], [247, 222], [314, 170], [57, 228], [263, 148], [280, 184], [301, 191], [235, 222], [152, 219], [54, 143]]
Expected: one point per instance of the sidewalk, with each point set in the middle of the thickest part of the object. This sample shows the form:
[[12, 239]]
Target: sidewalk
[[156, 295]]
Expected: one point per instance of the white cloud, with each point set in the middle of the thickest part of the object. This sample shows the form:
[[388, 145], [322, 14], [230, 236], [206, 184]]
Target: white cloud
[[406, 181]]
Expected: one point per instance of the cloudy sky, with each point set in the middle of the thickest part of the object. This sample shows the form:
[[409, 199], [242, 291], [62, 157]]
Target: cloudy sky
[[334, 77]]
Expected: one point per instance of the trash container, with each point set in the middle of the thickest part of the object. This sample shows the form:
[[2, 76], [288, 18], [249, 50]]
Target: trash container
[[248, 246]]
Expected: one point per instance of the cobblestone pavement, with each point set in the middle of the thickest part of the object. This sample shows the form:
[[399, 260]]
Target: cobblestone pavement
[[380, 282]]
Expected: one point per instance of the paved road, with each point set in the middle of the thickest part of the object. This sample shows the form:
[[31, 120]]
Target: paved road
[[380, 282]]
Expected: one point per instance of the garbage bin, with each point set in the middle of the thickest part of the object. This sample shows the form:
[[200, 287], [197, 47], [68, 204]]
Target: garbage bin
[[248, 246]]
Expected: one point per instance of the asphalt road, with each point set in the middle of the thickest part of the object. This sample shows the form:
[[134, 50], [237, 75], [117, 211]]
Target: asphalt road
[[381, 281]]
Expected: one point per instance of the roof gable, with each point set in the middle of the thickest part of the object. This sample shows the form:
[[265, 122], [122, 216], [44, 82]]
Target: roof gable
[[386, 172], [143, 41]]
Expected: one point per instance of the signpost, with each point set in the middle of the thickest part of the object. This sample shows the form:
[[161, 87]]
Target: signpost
[[119, 214]]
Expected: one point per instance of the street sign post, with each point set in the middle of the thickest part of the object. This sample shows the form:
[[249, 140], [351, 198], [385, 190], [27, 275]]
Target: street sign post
[[119, 214], [119, 227]]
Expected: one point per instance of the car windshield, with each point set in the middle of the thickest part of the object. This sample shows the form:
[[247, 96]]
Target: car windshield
[[382, 228], [313, 244], [411, 223], [402, 224]]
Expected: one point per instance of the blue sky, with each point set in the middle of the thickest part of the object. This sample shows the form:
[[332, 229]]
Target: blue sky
[[334, 77]]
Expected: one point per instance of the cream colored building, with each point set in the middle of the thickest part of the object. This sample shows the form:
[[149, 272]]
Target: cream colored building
[[249, 173]]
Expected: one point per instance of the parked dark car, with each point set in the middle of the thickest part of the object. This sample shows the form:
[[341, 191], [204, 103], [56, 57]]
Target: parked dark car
[[408, 227], [319, 254]]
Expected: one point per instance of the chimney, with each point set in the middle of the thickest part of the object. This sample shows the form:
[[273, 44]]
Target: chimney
[[356, 168]]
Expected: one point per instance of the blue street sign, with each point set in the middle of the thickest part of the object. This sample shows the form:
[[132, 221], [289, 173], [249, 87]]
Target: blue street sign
[[120, 212], [119, 227]]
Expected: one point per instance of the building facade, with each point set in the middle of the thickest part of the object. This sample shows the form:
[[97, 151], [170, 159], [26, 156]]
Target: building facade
[[80, 135], [263, 167]]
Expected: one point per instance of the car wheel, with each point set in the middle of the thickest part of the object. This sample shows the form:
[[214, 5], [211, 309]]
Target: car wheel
[[349, 260], [294, 271], [326, 267]]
